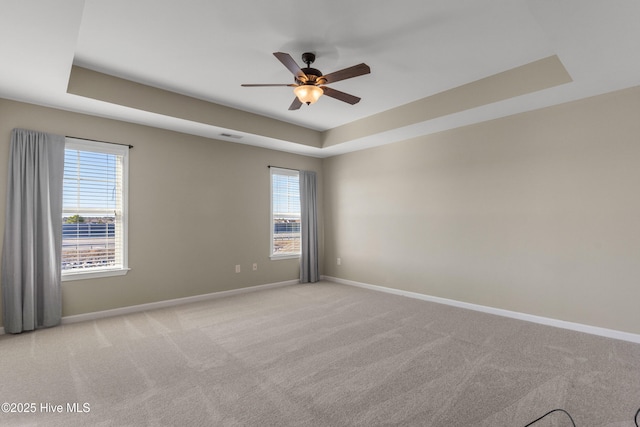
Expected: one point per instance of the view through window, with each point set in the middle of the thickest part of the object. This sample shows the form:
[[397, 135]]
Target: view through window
[[285, 213], [94, 208]]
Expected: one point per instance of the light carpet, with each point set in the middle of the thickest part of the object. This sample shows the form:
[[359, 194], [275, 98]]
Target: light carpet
[[317, 355]]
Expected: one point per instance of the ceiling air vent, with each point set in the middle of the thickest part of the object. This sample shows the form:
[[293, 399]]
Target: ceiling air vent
[[229, 135]]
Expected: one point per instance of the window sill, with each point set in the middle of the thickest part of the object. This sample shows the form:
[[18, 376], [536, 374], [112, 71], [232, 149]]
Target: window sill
[[277, 257], [83, 275]]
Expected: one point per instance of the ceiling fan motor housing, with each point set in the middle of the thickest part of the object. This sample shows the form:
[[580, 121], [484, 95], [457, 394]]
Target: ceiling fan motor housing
[[313, 73], [314, 76]]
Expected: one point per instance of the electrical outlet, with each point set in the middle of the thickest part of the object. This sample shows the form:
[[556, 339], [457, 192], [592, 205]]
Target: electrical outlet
[[339, 261], [255, 266], [238, 268]]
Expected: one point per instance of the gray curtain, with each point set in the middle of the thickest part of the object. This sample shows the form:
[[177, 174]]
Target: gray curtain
[[309, 228], [31, 295]]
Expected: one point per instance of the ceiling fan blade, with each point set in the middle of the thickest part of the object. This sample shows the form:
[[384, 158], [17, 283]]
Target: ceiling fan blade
[[347, 73], [268, 84], [296, 104], [291, 65], [341, 96]]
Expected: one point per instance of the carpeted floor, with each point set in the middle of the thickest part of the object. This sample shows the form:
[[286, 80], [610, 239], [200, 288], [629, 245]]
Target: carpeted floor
[[316, 355]]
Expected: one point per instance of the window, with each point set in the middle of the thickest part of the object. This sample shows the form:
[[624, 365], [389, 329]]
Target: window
[[94, 209], [285, 213]]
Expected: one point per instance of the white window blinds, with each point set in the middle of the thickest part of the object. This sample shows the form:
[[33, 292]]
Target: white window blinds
[[285, 213], [94, 226]]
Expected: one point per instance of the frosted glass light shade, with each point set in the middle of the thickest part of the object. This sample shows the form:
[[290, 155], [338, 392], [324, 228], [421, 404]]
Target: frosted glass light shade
[[308, 94]]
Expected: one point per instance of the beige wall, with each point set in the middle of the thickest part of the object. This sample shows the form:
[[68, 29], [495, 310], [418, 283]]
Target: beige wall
[[197, 206], [537, 213]]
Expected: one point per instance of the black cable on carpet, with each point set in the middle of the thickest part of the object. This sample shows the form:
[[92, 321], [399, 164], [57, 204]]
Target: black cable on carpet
[[635, 419]]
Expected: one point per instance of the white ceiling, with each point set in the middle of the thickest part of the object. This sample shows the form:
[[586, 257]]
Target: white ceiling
[[415, 48]]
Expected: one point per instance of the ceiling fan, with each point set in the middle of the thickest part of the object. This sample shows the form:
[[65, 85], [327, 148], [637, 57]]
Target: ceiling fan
[[309, 82]]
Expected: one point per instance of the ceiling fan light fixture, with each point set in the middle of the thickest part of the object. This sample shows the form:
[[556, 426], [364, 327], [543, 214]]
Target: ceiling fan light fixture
[[308, 94], [310, 83]]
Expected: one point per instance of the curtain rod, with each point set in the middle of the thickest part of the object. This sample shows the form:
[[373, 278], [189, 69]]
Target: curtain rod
[[95, 140], [279, 167]]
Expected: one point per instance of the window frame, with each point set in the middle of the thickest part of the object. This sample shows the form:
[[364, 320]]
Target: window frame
[[119, 150], [286, 172]]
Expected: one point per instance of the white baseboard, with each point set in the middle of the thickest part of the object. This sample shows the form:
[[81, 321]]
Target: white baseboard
[[593, 330], [170, 303], [167, 303]]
